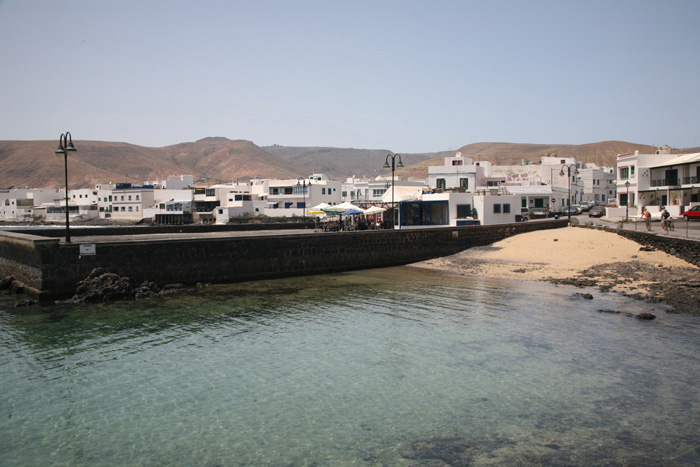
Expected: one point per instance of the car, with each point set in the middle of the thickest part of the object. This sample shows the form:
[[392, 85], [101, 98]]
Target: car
[[596, 211], [574, 209], [692, 213], [587, 205]]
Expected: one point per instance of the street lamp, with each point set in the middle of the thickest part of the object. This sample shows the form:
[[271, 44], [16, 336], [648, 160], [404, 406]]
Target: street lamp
[[393, 169], [561, 174], [65, 145], [627, 211], [301, 182]]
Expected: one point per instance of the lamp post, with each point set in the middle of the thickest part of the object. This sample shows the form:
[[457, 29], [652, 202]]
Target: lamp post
[[393, 169], [627, 211], [301, 182], [65, 145], [561, 174]]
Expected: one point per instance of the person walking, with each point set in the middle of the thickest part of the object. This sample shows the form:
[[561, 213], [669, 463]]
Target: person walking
[[647, 219]]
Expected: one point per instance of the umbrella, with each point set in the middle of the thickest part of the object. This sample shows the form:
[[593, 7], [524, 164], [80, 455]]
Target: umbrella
[[347, 206], [338, 209], [374, 210], [354, 211]]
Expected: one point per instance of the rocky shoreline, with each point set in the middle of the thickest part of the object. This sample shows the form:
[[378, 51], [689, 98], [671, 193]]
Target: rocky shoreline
[[584, 258]]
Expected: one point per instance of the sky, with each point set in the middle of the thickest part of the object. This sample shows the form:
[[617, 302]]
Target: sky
[[407, 76]]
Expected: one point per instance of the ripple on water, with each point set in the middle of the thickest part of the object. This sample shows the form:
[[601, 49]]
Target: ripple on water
[[399, 366]]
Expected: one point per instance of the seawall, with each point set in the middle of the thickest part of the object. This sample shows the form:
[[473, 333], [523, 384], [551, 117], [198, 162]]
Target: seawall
[[53, 269]]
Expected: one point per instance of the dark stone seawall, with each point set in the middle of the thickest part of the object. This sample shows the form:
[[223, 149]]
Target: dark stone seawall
[[53, 269], [683, 248]]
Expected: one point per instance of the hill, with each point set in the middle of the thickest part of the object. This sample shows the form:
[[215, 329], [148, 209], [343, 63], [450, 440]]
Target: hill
[[340, 163], [215, 160], [211, 160]]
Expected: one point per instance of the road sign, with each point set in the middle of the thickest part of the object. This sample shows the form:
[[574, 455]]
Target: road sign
[[554, 200]]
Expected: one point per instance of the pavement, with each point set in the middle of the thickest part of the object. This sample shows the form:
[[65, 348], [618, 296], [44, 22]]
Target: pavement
[[682, 228]]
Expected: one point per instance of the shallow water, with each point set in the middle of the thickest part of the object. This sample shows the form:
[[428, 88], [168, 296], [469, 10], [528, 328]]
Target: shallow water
[[397, 366]]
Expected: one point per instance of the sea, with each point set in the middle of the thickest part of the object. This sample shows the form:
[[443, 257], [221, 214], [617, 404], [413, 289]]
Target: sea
[[399, 366]]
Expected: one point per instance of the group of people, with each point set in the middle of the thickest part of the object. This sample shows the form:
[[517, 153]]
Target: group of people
[[666, 219], [360, 223]]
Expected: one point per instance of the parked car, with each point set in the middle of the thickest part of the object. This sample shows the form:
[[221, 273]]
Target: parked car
[[596, 211], [575, 210], [586, 206], [692, 213]]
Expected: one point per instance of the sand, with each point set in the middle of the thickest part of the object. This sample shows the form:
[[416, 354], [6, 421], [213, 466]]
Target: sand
[[583, 257]]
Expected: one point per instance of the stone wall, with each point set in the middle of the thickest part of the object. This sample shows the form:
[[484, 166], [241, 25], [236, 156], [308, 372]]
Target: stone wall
[[683, 248], [55, 268]]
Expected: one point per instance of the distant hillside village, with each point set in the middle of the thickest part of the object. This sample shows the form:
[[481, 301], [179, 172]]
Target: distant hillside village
[[459, 192]]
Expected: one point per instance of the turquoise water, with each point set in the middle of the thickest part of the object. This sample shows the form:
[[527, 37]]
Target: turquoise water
[[395, 367]]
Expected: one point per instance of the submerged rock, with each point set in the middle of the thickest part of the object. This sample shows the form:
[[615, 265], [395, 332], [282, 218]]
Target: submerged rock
[[100, 286]]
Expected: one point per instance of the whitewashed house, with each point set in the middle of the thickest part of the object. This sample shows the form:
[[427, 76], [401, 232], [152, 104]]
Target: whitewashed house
[[129, 202], [17, 204]]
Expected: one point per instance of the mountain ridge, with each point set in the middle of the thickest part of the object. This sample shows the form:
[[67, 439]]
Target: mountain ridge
[[219, 160]]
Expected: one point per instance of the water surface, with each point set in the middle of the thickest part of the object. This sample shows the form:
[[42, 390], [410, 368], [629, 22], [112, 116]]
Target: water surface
[[397, 366]]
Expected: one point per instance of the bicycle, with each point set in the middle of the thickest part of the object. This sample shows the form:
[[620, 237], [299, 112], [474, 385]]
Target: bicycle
[[667, 224]]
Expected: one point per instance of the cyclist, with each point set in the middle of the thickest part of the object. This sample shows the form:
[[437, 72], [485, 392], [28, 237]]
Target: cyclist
[[665, 215]]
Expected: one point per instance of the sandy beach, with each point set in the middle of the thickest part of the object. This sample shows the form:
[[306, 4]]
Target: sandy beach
[[584, 258]]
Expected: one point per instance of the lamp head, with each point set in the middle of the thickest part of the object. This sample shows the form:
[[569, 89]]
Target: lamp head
[[69, 142], [561, 173]]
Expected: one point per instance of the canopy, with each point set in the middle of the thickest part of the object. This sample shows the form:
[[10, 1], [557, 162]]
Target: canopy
[[354, 211], [374, 210], [347, 206], [319, 207], [338, 209]]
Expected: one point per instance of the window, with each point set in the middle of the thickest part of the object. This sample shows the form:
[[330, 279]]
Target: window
[[440, 184], [137, 197], [624, 173], [274, 191], [130, 209], [129, 197], [506, 208], [457, 162], [464, 183], [122, 197], [323, 191], [496, 208], [632, 171], [379, 193], [464, 210]]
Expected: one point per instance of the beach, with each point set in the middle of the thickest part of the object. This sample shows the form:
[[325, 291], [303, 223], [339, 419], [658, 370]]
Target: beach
[[584, 258]]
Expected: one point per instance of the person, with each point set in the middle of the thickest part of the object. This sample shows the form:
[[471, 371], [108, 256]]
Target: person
[[664, 218], [647, 219]]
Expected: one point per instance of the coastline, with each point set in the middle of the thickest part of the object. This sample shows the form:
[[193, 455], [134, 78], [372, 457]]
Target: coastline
[[583, 258]]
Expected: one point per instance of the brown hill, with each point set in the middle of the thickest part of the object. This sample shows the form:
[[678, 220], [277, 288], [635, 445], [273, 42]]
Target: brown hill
[[213, 160], [34, 163], [603, 154]]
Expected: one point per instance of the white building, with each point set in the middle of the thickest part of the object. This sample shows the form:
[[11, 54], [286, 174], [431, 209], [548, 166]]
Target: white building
[[129, 202], [287, 198], [18, 204], [659, 179], [460, 173]]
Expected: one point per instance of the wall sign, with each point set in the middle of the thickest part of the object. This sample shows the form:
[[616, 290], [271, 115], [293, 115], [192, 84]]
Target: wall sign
[[88, 249]]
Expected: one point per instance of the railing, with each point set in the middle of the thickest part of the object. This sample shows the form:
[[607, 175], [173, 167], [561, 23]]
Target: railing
[[691, 180], [665, 182]]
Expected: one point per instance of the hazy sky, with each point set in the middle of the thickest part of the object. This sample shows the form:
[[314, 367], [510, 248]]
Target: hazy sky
[[407, 76]]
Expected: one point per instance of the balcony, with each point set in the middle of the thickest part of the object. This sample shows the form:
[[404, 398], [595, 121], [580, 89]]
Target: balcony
[[691, 180], [665, 182]]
